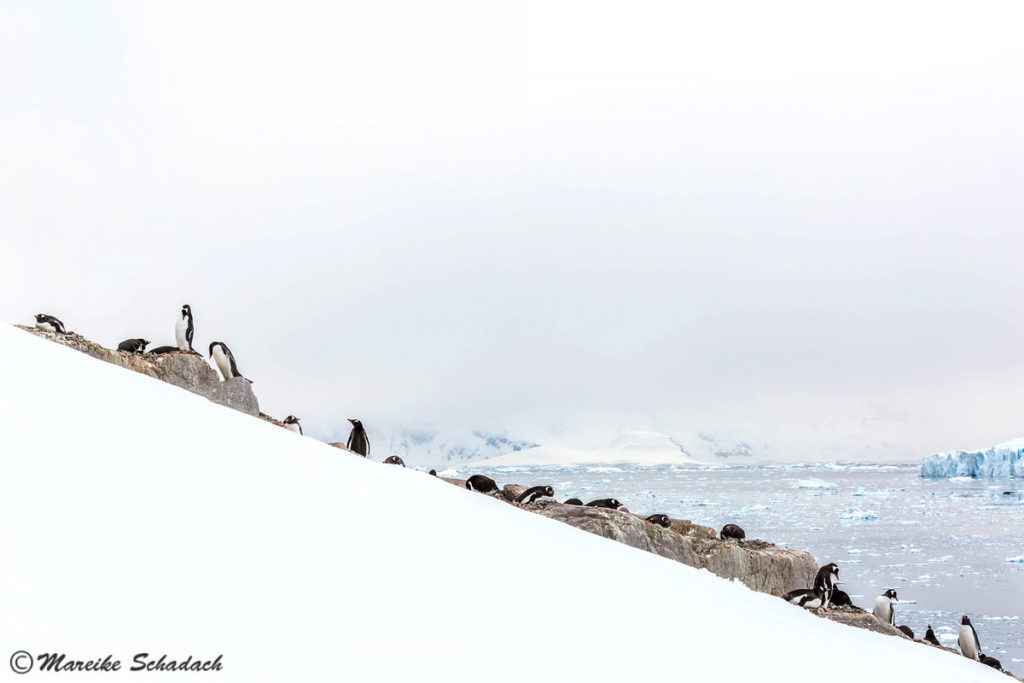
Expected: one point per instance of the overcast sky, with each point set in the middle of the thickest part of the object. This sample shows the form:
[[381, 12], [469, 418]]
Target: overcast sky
[[798, 225]]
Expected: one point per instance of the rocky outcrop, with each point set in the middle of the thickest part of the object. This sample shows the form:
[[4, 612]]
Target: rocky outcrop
[[186, 370], [855, 616]]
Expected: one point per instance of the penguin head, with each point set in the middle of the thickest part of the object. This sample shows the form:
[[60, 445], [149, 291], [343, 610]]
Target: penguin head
[[186, 311], [355, 423], [394, 460], [291, 419], [891, 594], [965, 621], [40, 316], [615, 503], [548, 491], [833, 569], [217, 343], [144, 343]]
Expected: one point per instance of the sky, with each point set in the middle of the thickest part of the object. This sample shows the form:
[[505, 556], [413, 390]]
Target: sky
[[796, 227]]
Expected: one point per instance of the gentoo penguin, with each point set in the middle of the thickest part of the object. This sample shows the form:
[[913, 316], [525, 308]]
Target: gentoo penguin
[[533, 493], [133, 345], [991, 661], [291, 422], [574, 501], [929, 636], [161, 350], [907, 631], [47, 323], [970, 647], [809, 598], [394, 460], [184, 330], [732, 532], [225, 360], [660, 520], [884, 609], [840, 598], [358, 441], [479, 482], [825, 582], [609, 503], [432, 473]]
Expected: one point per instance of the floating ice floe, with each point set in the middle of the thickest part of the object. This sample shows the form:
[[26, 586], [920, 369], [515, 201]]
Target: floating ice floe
[[1004, 460], [858, 515], [813, 484]]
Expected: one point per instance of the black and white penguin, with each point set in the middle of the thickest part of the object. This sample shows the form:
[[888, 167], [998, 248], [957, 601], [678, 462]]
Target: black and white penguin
[[732, 532], [133, 345], [609, 503], [47, 323], [394, 460], [574, 501], [533, 493], [907, 631], [970, 646], [990, 661], [884, 609], [825, 582], [291, 422], [479, 482], [225, 361], [808, 598], [162, 350], [929, 636], [659, 519], [358, 441], [184, 329], [432, 473], [840, 598]]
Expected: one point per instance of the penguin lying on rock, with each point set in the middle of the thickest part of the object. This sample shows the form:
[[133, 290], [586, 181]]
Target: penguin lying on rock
[[394, 460], [991, 661], [907, 631], [133, 345], [47, 323], [532, 494], [609, 503], [479, 482], [732, 532], [160, 350], [808, 598], [573, 501], [660, 520]]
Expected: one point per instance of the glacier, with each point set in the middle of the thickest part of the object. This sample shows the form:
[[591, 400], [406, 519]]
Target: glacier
[[1000, 461]]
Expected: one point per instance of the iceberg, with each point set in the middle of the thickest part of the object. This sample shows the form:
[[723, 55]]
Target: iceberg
[[1003, 460]]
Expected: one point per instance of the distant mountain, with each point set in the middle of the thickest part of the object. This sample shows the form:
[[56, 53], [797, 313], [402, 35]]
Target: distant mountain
[[431, 446], [632, 447]]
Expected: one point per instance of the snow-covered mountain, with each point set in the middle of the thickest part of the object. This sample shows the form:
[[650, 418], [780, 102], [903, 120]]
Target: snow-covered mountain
[[632, 447], [144, 518], [1003, 460], [432, 446]]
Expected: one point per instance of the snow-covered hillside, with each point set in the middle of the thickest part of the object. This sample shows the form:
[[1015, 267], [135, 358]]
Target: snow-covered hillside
[[1003, 460], [633, 448], [141, 518]]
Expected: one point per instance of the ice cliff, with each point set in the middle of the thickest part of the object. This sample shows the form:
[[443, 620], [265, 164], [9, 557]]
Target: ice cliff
[[1004, 460]]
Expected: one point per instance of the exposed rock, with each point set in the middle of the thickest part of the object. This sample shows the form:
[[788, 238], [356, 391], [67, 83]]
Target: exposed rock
[[341, 445], [512, 491], [186, 370], [855, 616]]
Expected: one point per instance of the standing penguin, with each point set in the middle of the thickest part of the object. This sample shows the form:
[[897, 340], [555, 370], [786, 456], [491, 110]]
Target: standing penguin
[[929, 636], [884, 609], [291, 422], [133, 345], [184, 330], [825, 582], [358, 441], [47, 323], [970, 647], [225, 360]]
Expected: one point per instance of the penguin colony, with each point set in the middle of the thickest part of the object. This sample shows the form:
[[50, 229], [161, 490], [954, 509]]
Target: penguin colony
[[821, 595]]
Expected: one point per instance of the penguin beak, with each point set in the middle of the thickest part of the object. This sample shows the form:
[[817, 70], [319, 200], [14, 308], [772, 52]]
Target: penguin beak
[[351, 420]]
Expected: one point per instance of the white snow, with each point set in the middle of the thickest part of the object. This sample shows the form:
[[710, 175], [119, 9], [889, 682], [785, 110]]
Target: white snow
[[1003, 460], [813, 484], [140, 517], [627, 448]]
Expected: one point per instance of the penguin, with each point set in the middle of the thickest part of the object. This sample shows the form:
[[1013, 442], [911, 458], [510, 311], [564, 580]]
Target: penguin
[[732, 532], [825, 582], [970, 646], [991, 661], [225, 360], [47, 323], [291, 422], [358, 441], [532, 494], [840, 598], [573, 501], [884, 609], [432, 473], [133, 345], [808, 598], [394, 460], [479, 482], [929, 636], [162, 350], [907, 631], [184, 330], [609, 503], [660, 520]]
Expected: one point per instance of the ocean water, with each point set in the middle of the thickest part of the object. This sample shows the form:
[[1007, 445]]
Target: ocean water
[[948, 546]]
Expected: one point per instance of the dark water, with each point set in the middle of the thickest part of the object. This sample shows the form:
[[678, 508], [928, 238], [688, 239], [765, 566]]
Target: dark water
[[944, 545]]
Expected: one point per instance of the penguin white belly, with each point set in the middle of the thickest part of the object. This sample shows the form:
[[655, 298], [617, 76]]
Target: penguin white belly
[[46, 327], [294, 426], [222, 361], [966, 642], [179, 334], [883, 609]]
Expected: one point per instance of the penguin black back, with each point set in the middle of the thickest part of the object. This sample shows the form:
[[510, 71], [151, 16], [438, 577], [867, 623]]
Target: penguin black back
[[358, 441], [991, 661], [609, 503], [394, 460], [162, 350], [907, 631], [533, 493], [929, 636], [733, 532], [660, 520], [840, 598], [574, 501], [133, 345], [48, 323], [479, 482]]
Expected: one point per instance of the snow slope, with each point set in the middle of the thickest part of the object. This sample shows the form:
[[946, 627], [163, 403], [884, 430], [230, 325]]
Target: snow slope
[[139, 517], [627, 448], [1003, 460]]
